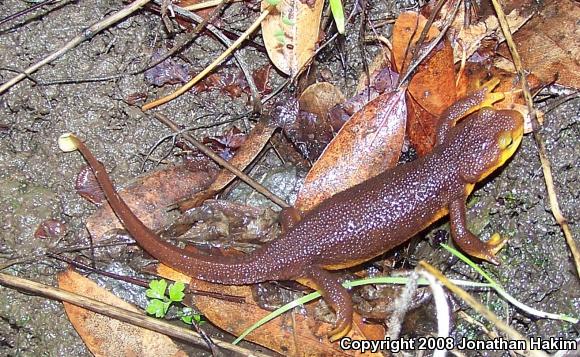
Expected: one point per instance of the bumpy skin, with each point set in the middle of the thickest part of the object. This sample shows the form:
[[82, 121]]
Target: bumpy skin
[[368, 219]]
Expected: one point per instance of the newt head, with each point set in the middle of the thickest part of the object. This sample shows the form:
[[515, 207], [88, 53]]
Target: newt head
[[486, 140]]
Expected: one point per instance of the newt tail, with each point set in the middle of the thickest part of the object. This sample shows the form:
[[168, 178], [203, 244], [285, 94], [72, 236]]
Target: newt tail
[[363, 221], [186, 262]]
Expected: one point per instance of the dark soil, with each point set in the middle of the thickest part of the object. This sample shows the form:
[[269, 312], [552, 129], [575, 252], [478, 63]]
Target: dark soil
[[37, 180]]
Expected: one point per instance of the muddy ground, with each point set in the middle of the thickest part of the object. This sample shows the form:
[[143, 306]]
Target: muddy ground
[[37, 180]]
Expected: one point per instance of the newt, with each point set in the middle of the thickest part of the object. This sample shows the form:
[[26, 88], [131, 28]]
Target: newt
[[363, 221]]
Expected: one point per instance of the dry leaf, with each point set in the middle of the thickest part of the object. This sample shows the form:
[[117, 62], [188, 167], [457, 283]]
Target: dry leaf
[[474, 74], [549, 44], [421, 127], [382, 80], [291, 334], [290, 33], [105, 336], [368, 144], [433, 84], [467, 40], [253, 145], [311, 131], [432, 88], [149, 196]]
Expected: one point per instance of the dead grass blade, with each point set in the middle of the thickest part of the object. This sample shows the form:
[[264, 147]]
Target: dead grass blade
[[115, 312], [211, 66], [481, 309], [546, 165]]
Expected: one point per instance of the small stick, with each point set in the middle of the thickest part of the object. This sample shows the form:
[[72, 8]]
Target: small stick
[[546, 165], [205, 4], [86, 35], [204, 149], [27, 10], [481, 309], [115, 312], [209, 68]]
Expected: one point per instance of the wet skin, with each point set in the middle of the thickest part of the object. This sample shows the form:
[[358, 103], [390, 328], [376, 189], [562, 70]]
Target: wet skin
[[366, 220]]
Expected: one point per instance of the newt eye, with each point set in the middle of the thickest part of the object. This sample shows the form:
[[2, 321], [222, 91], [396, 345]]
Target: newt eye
[[505, 140]]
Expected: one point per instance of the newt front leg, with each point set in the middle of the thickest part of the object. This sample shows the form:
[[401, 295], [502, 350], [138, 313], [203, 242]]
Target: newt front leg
[[464, 106], [467, 241]]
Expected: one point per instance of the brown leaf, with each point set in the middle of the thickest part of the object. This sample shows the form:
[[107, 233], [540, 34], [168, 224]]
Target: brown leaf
[[87, 187], [549, 44], [421, 127], [383, 79], [311, 130], [149, 196], [51, 229], [254, 143], [291, 334], [467, 40], [433, 84], [105, 336], [225, 224], [474, 74], [166, 72], [290, 33], [369, 143], [227, 144]]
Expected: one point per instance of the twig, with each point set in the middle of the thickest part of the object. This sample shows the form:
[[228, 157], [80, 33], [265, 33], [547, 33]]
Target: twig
[[86, 35], [481, 309], [425, 52], [201, 147], [546, 165], [194, 34], [115, 312], [27, 10], [206, 4], [211, 66], [36, 257]]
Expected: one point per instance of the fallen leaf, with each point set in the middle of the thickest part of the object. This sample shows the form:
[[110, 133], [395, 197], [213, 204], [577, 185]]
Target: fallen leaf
[[311, 131], [433, 84], [290, 33], [149, 196], [466, 40], [421, 127], [227, 144], [382, 80], [368, 144], [166, 72], [549, 44], [87, 187], [253, 145], [225, 224], [51, 229], [474, 74], [432, 87], [105, 336], [291, 334]]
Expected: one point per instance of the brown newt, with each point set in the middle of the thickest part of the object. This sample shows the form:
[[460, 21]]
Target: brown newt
[[364, 221]]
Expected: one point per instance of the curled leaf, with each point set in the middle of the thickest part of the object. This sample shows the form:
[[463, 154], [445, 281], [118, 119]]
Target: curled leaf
[[290, 33], [369, 143]]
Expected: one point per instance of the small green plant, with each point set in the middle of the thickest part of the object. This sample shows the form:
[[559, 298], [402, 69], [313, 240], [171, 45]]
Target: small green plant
[[159, 301], [338, 14]]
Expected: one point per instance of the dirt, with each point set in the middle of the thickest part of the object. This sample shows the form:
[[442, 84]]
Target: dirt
[[37, 180]]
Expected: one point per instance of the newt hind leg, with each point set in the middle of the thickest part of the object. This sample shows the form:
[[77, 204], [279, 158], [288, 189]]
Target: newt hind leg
[[336, 296]]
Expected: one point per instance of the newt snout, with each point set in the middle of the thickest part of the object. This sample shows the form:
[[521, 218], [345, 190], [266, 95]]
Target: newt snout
[[363, 221]]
